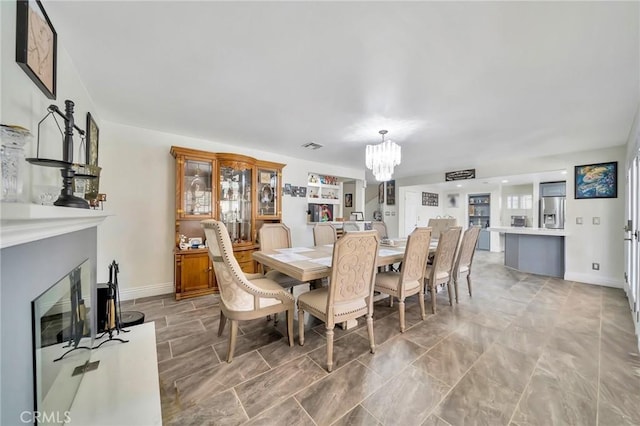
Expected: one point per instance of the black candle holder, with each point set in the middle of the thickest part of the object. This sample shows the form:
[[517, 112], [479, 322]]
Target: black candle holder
[[66, 165]]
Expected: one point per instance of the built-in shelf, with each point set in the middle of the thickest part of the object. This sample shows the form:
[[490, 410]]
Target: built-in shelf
[[22, 223]]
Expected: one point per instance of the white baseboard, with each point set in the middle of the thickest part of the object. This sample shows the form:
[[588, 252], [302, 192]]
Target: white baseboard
[[146, 291], [593, 279]]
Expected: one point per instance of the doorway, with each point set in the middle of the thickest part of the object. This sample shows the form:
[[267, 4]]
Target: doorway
[[410, 212]]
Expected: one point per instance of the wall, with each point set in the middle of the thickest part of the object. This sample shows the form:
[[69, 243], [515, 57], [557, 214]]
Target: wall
[[26, 271], [138, 177], [585, 243]]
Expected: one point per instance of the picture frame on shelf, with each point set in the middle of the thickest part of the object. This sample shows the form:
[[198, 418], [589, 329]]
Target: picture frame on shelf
[[93, 134], [348, 200], [599, 180], [37, 45]]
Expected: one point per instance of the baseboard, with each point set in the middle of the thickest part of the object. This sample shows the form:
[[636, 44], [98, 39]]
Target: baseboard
[[146, 291], [593, 279]]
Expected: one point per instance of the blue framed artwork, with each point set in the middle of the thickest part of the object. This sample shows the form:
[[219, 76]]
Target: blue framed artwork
[[596, 180]]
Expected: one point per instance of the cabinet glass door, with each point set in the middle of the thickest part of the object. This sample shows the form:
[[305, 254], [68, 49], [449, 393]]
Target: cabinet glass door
[[197, 187], [268, 199], [235, 201]]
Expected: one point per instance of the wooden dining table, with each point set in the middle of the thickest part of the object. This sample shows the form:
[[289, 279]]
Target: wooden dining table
[[314, 263]]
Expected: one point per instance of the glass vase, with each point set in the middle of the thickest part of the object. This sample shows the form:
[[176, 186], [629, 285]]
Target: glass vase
[[12, 140]]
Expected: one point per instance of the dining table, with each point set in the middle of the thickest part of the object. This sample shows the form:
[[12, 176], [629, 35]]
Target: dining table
[[312, 263]]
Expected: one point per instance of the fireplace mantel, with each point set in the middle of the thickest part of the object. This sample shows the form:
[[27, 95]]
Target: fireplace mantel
[[22, 223]]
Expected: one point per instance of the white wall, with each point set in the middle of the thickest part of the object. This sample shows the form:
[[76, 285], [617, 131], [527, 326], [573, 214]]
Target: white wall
[[138, 177], [585, 243]]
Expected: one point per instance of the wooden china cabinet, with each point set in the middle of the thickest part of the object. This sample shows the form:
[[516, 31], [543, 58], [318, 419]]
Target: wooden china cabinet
[[239, 191]]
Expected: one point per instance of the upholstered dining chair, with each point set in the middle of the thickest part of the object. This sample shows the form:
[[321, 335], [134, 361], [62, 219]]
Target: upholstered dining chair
[[274, 236], [350, 291], [441, 271], [410, 280], [324, 233], [242, 296], [381, 227], [465, 257], [439, 225]]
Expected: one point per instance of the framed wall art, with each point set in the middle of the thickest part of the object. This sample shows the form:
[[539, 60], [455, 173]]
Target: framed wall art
[[391, 192], [430, 199], [348, 200], [596, 180], [36, 45], [381, 193], [93, 134]]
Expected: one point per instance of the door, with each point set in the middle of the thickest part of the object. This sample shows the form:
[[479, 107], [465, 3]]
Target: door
[[632, 237], [410, 212]]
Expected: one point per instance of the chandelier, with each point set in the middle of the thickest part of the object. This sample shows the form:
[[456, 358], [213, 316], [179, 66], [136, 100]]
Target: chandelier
[[382, 158]]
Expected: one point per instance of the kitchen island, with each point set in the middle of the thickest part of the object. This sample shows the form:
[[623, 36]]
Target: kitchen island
[[533, 250]]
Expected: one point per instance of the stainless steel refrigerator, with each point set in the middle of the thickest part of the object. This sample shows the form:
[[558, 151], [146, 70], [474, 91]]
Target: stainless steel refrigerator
[[552, 210]]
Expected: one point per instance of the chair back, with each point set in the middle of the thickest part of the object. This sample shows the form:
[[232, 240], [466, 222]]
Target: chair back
[[467, 248], [381, 227], [234, 286], [446, 251], [353, 271], [274, 236], [324, 233], [415, 256], [439, 225]]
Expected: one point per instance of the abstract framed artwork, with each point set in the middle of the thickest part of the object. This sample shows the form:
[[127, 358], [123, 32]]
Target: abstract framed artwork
[[93, 134], [596, 180], [36, 45]]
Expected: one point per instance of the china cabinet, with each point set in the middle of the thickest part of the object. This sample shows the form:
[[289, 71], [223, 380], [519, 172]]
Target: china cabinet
[[239, 191]]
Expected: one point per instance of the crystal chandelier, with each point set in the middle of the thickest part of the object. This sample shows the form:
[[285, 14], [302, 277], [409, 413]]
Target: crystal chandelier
[[382, 158]]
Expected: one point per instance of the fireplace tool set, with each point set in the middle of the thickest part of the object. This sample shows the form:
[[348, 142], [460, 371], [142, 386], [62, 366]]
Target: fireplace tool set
[[113, 310]]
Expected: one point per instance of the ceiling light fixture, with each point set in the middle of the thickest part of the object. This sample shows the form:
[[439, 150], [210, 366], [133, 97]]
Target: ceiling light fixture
[[382, 158]]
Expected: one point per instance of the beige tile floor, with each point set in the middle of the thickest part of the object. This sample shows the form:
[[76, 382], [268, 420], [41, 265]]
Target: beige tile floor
[[525, 350]]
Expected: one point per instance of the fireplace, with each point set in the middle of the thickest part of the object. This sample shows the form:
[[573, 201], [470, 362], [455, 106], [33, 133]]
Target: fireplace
[[39, 244]]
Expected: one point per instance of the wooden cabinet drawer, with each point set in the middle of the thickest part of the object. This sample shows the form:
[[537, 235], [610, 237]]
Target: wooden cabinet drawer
[[243, 256]]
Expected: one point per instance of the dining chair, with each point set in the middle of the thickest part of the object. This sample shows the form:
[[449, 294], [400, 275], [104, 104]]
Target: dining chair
[[242, 296], [349, 294], [441, 271], [324, 233], [276, 236], [465, 257], [410, 279], [381, 227], [439, 225]]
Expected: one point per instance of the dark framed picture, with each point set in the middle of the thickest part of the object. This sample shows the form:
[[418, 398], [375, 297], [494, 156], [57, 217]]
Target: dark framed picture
[[348, 200], [287, 189], [36, 45], [430, 199], [391, 192], [93, 134], [381, 193], [596, 180]]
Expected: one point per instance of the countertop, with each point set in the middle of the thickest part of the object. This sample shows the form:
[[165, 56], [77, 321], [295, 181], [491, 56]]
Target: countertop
[[528, 231]]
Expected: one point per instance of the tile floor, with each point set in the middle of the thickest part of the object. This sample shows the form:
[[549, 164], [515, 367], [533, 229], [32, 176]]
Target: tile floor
[[525, 350]]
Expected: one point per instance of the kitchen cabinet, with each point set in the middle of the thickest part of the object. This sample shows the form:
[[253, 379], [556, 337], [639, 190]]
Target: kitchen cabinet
[[240, 191], [480, 215]]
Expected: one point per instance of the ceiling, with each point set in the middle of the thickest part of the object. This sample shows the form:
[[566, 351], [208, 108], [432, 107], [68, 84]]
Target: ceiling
[[456, 84]]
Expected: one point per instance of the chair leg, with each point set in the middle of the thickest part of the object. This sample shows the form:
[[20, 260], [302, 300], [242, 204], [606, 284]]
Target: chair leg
[[372, 342], [469, 283], [223, 322], [301, 326], [390, 301], [401, 312], [232, 340], [432, 289], [423, 313], [455, 286], [290, 326], [275, 319], [329, 349], [449, 290]]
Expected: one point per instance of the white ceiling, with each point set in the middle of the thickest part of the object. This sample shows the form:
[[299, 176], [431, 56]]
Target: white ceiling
[[457, 84]]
